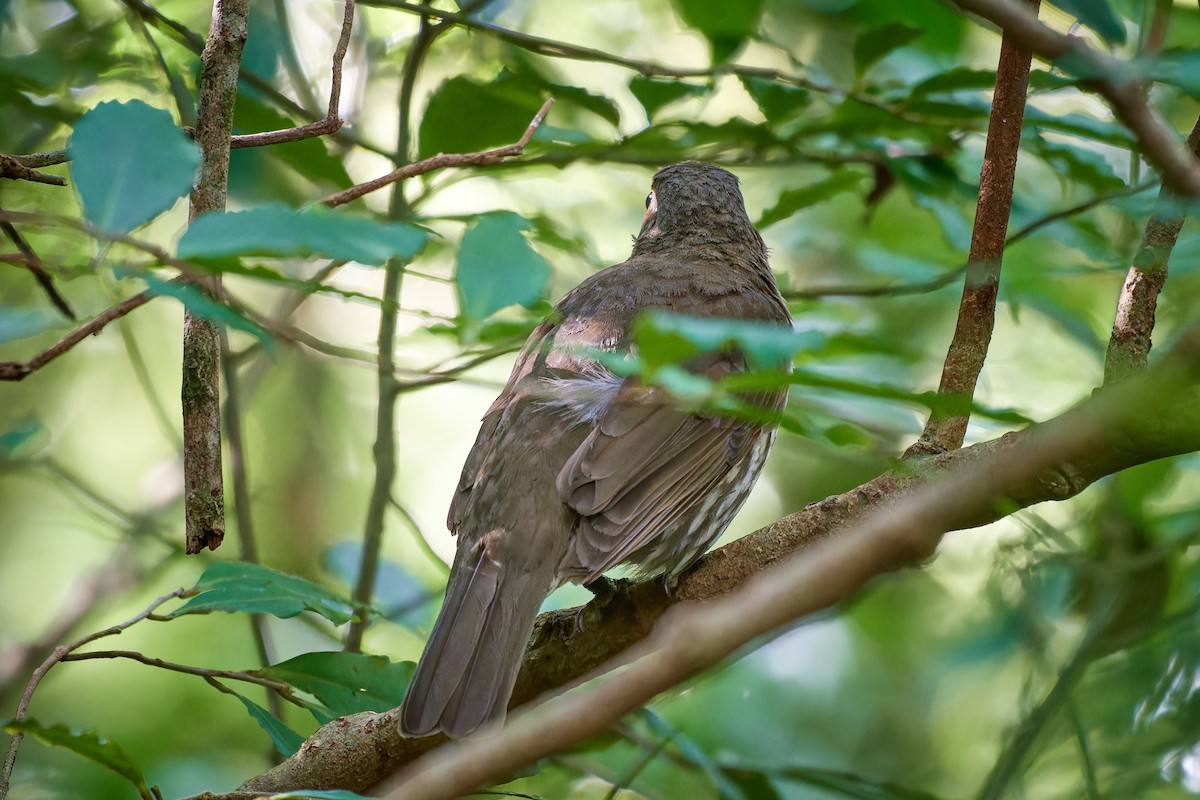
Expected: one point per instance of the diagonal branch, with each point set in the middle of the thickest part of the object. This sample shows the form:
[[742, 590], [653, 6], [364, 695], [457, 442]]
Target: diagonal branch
[[1047, 462], [1127, 97], [16, 168], [34, 264], [977, 309], [442, 161], [1129, 345]]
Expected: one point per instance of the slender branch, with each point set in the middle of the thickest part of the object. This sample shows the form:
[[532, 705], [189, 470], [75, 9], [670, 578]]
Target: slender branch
[[384, 449], [1129, 345], [60, 653], [442, 161], [14, 167], [977, 309], [16, 370], [29, 258], [1127, 97], [280, 687], [46, 159]]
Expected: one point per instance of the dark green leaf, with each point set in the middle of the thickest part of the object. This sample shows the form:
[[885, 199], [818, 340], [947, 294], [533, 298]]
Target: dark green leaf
[[286, 740], [1180, 68], [794, 200], [88, 744], [130, 163], [497, 267], [346, 682], [655, 93], [275, 230], [777, 101], [873, 45], [723, 23], [1097, 15], [238, 586]]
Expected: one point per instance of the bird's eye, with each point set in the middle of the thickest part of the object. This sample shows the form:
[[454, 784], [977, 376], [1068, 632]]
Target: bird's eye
[[649, 197]]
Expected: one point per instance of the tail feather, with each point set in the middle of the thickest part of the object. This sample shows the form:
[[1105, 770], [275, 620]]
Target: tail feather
[[465, 677]]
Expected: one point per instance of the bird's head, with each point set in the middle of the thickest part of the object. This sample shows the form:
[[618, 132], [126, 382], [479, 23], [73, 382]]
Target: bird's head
[[693, 200]]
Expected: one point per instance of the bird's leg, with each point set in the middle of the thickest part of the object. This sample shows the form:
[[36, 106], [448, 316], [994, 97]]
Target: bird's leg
[[604, 589]]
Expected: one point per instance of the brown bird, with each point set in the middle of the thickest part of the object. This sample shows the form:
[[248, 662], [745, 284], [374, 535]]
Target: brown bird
[[576, 470]]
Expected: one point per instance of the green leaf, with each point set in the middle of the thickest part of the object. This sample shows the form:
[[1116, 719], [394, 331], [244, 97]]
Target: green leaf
[[21, 433], [286, 740], [875, 44], [276, 230], [694, 754], [666, 338], [201, 304], [777, 101], [238, 586], [655, 93], [794, 200], [346, 682], [725, 24], [88, 744], [497, 267], [130, 163], [1097, 15]]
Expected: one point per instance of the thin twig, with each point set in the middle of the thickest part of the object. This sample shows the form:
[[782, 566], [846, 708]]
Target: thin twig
[[442, 161], [977, 309], [280, 688], [34, 264], [60, 653], [1129, 346], [16, 370], [1110, 78], [14, 167]]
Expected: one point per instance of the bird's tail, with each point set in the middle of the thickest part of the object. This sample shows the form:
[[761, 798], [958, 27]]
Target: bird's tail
[[465, 677]]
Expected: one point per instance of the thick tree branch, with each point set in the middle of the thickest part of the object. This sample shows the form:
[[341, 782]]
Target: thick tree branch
[[1129, 345], [1108, 433], [15, 167], [977, 309], [1107, 76]]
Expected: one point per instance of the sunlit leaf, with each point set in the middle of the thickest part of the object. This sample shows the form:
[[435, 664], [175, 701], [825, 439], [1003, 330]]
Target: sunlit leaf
[[725, 24], [202, 305], [346, 682], [776, 100], [130, 163], [88, 744], [240, 586], [276, 230], [497, 267]]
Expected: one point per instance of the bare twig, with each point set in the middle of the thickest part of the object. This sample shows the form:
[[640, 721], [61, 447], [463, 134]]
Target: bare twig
[[60, 653], [280, 687], [442, 161], [16, 168], [34, 264], [332, 122], [46, 159], [977, 309], [1129, 345], [1127, 97], [16, 370]]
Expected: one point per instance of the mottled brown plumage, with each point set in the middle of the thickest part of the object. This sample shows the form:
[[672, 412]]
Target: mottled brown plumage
[[576, 470]]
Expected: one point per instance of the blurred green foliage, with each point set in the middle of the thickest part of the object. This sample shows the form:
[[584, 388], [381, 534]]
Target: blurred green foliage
[[1052, 655]]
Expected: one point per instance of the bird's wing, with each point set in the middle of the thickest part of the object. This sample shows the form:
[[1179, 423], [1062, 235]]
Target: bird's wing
[[646, 467]]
